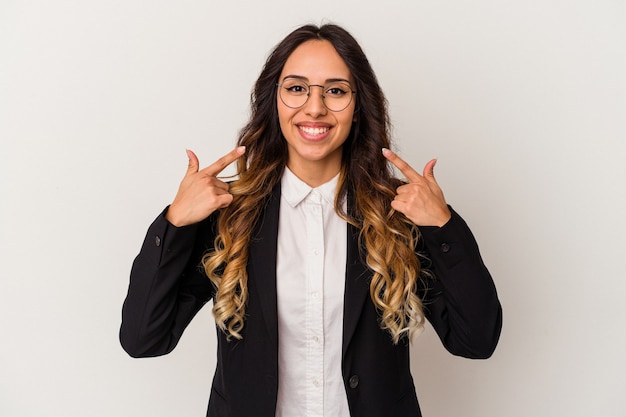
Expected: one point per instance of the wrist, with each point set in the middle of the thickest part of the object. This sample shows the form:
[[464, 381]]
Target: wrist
[[172, 217]]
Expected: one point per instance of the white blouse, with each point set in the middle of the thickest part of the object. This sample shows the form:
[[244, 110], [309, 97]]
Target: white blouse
[[310, 282]]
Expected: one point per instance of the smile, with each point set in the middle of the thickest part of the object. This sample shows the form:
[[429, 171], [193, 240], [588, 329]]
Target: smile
[[313, 131]]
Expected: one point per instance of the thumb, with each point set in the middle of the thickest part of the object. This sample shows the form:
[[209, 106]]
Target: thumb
[[193, 162], [429, 169]]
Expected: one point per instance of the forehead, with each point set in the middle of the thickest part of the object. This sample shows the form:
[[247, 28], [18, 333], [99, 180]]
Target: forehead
[[317, 61]]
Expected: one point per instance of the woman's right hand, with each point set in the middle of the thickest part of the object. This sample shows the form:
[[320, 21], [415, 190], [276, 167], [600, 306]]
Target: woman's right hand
[[201, 192]]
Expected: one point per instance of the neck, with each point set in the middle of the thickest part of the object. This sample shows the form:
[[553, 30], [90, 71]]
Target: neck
[[313, 173]]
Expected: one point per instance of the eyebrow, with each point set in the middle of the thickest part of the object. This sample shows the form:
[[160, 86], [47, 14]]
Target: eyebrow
[[329, 80]]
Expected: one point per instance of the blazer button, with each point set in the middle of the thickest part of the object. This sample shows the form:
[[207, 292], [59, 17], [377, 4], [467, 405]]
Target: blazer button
[[157, 240], [445, 248], [354, 381]]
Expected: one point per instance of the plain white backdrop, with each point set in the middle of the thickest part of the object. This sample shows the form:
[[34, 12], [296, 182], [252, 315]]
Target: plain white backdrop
[[523, 102]]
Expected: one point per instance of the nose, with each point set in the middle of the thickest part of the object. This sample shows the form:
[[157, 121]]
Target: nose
[[314, 105]]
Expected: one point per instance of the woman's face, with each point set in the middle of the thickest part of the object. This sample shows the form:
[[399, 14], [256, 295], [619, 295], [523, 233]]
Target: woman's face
[[314, 134]]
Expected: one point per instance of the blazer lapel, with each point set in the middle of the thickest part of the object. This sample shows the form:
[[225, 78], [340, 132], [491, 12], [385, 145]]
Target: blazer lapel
[[357, 287], [262, 258]]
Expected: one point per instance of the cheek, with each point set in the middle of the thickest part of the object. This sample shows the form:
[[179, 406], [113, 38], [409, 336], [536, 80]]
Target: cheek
[[285, 125], [283, 111], [282, 118], [348, 120], [285, 116]]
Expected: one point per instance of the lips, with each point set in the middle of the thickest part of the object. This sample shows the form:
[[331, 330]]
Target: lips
[[314, 131]]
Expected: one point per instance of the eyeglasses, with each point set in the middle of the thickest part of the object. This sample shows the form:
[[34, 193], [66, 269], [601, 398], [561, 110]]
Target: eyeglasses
[[336, 95]]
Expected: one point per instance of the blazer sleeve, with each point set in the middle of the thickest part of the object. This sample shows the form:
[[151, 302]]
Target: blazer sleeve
[[168, 286], [460, 298]]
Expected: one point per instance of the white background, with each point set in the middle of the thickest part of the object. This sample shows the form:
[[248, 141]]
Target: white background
[[523, 102]]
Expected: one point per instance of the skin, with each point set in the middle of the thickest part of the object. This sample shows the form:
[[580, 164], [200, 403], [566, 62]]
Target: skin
[[315, 159], [421, 199], [201, 193]]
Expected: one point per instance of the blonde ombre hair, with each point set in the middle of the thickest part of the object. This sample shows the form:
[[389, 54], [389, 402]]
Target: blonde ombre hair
[[388, 238]]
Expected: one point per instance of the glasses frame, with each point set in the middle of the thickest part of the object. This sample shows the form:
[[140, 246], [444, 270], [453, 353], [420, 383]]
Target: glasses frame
[[308, 95]]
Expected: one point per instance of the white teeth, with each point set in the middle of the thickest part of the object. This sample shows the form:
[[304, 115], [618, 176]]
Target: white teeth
[[313, 130]]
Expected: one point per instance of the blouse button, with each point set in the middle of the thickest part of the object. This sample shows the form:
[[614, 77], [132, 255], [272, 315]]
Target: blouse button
[[445, 248], [157, 240], [354, 381]]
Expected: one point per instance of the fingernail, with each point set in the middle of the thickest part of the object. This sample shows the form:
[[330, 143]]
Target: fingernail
[[386, 152], [241, 150]]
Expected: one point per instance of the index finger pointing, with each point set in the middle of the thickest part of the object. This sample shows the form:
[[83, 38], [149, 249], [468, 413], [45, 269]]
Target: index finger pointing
[[219, 165], [410, 174]]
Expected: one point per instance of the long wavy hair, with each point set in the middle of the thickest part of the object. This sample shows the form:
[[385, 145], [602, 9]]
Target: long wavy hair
[[388, 239]]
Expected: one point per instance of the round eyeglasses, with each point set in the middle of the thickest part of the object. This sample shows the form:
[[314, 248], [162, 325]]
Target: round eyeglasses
[[295, 92]]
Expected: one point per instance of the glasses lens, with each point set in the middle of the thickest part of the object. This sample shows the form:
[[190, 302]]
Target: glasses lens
[[294, 93], [337, 96]]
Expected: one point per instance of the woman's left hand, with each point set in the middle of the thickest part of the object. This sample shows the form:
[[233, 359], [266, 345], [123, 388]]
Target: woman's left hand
[[421, 199]]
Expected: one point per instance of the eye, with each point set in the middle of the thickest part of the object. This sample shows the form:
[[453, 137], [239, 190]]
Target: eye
[[337, 90], [295, 87]]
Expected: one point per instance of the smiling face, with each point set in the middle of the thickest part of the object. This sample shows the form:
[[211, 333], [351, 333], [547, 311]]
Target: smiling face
[[314, 134]]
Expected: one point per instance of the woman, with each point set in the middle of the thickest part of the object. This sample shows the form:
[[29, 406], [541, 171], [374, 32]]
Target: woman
[[319, 262]]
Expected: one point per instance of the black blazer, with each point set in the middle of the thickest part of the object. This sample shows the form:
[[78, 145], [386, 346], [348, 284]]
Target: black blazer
[[167, 288]]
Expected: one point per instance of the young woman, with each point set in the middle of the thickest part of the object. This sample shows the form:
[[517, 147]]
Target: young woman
[[319, 262]]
